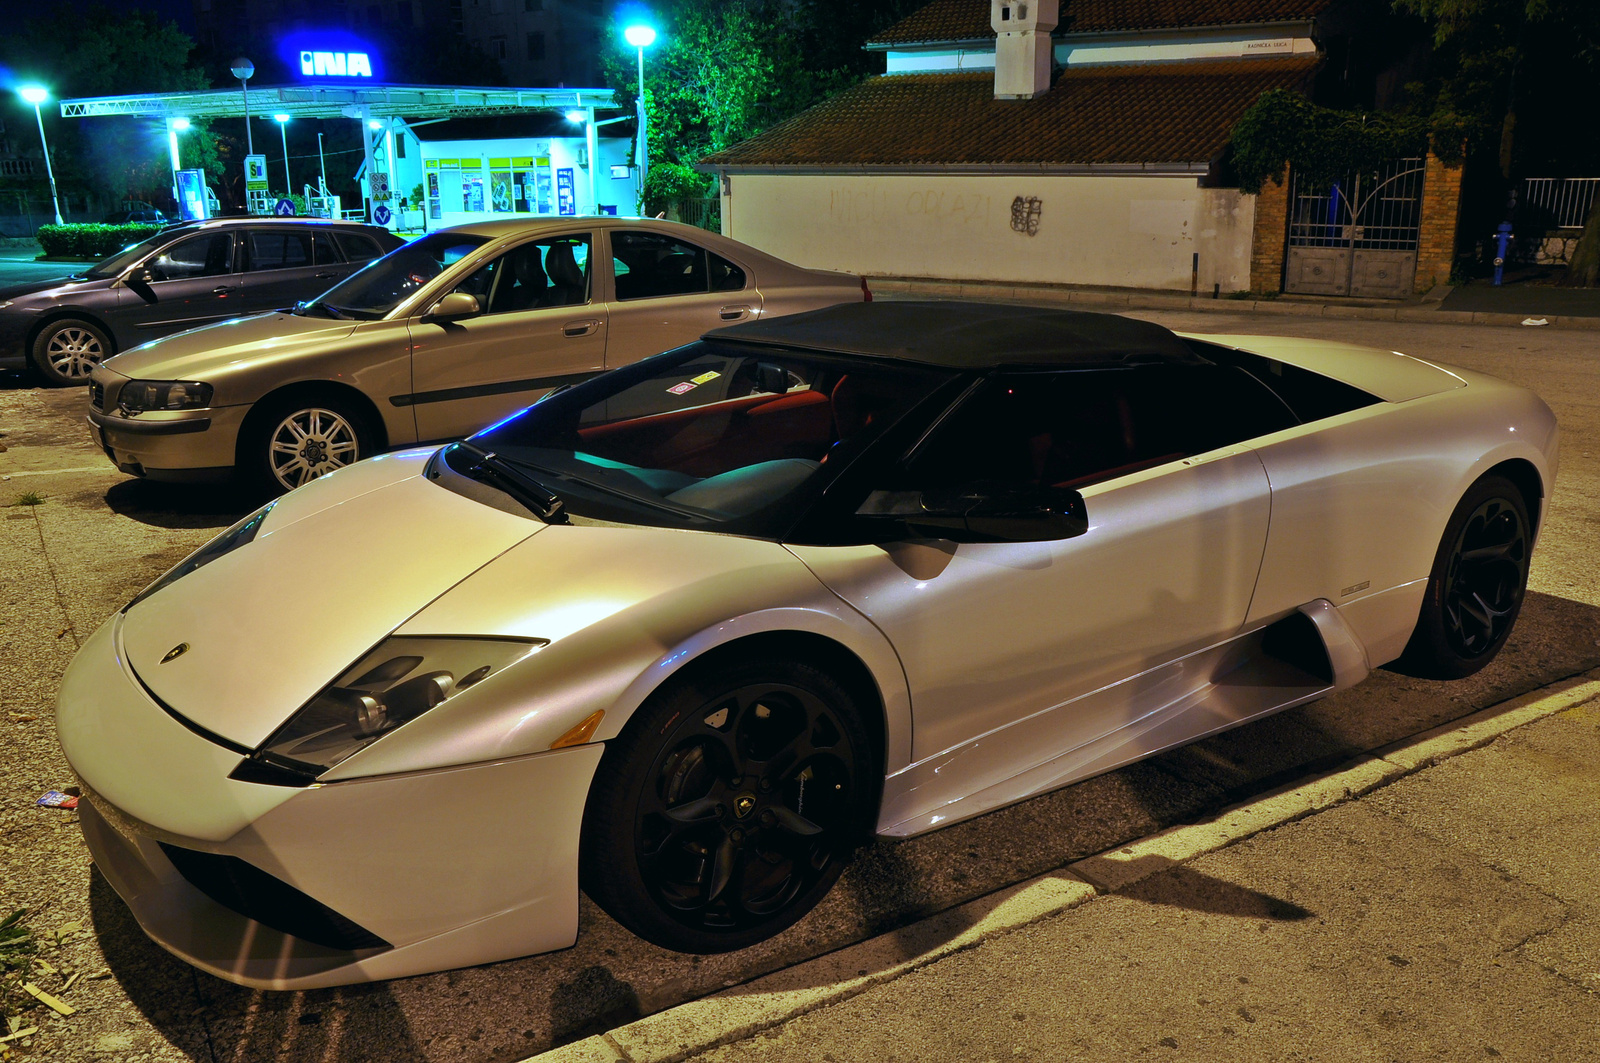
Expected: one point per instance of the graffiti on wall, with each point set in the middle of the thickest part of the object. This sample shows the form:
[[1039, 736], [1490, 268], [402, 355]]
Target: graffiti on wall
[[1025, 214]]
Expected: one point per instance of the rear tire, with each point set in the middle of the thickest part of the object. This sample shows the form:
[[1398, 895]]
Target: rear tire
[[294, 440], [729, 805], [67, 349], [1475, 590]]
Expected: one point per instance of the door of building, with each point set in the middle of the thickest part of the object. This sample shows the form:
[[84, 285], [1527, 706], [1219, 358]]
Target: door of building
[[1356, 235]]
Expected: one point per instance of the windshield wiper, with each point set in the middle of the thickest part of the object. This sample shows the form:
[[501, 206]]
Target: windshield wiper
[[496, 471], [331, 311]]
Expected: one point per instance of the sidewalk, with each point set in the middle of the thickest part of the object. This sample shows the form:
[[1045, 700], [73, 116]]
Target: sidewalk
[[1472, 305], [1436, 899]]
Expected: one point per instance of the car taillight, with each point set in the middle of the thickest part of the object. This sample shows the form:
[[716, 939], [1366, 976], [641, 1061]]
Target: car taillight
[[866, 293]]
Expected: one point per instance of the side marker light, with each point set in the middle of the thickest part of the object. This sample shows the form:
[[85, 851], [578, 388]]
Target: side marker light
[[581, 733]]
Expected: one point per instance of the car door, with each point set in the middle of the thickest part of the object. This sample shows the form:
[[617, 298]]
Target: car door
[[281, 266], [188, 283], [991, 633], [537, 328], [667, 292]]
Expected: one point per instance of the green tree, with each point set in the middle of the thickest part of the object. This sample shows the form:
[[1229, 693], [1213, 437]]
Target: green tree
[[102, 52], [723, 71]]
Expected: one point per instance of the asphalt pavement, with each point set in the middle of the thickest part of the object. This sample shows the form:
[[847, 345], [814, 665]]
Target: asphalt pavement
[[96, 537], [18, 266]]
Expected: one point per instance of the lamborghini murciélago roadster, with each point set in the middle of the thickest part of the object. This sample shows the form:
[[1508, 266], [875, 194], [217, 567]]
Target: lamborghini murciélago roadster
[[685, 634]]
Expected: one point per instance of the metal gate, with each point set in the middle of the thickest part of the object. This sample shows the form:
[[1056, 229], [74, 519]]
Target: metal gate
[[1356, 235]]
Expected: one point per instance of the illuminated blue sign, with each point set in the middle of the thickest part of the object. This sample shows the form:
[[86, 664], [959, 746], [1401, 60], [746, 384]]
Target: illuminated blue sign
[[335, 64]]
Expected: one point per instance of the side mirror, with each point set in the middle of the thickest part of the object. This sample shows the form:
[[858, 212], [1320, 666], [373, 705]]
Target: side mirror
[[454, 305], [985, 512]]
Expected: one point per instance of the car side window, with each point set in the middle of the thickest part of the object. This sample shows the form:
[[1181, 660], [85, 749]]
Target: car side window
[[323, 251], [534, 275], [206, 255], [648, 264], [277, 249], [1075, 428], [358, 248]]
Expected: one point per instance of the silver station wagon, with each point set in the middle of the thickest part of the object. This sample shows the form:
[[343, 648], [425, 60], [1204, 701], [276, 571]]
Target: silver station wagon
[[435, 340]]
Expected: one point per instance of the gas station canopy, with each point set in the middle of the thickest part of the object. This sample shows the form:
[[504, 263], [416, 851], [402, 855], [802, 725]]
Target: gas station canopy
[[343, 101]]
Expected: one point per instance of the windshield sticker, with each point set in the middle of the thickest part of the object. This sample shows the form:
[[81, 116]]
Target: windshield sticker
[[683, 388], [704, 378]]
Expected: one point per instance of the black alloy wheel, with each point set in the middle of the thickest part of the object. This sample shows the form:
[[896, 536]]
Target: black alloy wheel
[[1476, 588], [729, 807]]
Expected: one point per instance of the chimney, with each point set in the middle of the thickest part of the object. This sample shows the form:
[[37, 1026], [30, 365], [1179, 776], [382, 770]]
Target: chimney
[[1022, 47]]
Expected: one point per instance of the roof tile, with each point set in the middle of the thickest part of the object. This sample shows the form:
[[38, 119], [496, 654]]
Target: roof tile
[[965, 20], [1123, 113]]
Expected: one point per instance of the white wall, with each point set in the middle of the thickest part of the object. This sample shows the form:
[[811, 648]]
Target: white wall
[[1137, 232]]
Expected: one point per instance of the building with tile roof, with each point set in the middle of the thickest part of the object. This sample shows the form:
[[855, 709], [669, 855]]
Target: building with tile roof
[[1081, 142]]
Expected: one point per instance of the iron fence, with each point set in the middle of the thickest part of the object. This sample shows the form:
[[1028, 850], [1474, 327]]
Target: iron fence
[[1376, 211], [1567, 200]]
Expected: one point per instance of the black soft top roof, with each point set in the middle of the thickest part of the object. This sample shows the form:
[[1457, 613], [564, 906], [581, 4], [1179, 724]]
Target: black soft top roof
[[961, 335]]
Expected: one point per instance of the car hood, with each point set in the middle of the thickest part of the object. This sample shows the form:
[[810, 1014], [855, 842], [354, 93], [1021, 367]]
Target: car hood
[[334, 568], [18, 291], [195, 354]]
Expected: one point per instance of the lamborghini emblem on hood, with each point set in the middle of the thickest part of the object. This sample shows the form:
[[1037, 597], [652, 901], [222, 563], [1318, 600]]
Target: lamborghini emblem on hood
[[177, 651]]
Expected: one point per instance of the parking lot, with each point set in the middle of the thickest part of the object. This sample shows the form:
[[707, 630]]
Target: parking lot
[[78, 539]]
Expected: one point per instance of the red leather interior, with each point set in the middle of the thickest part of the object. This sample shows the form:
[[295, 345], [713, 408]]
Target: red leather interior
[[740, 432]]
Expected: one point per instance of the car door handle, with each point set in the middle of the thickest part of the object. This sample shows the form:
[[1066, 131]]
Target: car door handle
[[223, 290], [579, 328], [733, 313], [325, 275]]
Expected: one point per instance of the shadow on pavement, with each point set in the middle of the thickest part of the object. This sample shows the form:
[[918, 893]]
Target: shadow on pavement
[[209, 1019], [166, 505], [1179, 886]]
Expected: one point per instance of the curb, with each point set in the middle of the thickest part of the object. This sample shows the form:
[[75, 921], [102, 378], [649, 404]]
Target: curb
[[1141, 300], [771, 1000]]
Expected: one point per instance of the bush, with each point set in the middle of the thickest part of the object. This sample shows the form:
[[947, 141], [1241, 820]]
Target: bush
[[91, 240]]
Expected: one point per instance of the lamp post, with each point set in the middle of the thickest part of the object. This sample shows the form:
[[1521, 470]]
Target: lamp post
[[322, 167], [641, 37], [283, 133], [244, 69], [36, 94]]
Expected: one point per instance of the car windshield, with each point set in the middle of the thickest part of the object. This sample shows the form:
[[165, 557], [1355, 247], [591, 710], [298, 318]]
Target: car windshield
[[120, 261], [385, 283], [723, 436]]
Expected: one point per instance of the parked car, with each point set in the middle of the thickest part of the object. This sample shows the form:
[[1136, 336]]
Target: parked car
[[186, 275], [452, 332], [136, 216], [686, 633]]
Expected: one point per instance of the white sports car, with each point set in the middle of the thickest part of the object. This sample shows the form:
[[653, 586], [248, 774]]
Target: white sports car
[[685, 634]]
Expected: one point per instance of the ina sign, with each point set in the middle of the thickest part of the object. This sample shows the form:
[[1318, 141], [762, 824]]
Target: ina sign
[[338, 64]]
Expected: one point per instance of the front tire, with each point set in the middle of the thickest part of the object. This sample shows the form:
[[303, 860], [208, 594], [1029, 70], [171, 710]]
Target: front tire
[[1475, 590], [66, 351], [294, 441], [729, 806]]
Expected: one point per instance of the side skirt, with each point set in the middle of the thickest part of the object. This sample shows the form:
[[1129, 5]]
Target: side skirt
[[1306, 655]]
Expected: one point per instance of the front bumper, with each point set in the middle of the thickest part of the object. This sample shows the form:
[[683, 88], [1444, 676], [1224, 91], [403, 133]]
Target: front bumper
[[189, 445], [435, 869]]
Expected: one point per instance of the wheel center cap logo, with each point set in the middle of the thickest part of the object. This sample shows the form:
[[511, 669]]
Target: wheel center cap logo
[[177, 651], [744, 805]]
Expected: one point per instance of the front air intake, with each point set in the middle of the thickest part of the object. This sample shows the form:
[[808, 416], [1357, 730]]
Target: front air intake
[[250, 891]]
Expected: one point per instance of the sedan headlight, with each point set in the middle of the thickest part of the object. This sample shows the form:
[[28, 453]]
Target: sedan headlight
[[139, 395], [392, 685]]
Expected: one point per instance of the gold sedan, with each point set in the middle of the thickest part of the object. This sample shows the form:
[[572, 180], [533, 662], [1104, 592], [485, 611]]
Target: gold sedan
[[452, 332]]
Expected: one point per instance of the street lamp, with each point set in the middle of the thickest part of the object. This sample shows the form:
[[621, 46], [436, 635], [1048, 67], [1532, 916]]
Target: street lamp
[[37, 94], [244, 69], [283, 133], [641, 37]]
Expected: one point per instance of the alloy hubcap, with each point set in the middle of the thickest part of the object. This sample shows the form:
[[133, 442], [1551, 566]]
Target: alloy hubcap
[[74, 352], [1483, 585], [311, 443], [746, 806]]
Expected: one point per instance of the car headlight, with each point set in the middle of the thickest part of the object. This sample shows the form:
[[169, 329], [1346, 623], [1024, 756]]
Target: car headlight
[[140, 395], [226, 543], [389, 687]]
